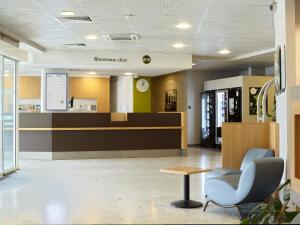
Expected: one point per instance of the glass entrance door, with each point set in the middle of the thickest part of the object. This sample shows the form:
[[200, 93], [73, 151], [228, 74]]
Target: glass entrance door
[[9, 115]]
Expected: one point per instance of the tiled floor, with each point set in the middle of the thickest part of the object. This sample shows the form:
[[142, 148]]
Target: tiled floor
[[109, 191]]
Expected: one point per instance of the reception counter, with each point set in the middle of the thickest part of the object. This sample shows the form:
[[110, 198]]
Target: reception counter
[[101, 135]]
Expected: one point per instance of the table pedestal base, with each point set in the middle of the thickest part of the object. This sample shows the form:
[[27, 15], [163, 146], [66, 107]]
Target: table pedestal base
[[187, 204]]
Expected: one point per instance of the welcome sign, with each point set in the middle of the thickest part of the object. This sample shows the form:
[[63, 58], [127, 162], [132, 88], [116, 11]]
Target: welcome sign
[[114, 63], [105, 59]]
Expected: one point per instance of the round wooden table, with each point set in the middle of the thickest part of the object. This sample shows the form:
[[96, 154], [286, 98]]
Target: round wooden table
[[186, 203]]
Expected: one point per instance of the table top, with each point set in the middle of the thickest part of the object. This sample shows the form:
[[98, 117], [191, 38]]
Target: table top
[[185, 170]]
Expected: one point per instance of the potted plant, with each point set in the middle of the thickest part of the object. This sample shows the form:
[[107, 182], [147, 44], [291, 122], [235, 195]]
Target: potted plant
[[273, 212]]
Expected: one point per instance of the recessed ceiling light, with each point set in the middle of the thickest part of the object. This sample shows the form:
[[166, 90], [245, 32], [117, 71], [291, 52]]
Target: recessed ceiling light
[[183, 26], [194, 64], [179, 45], [224, 52], [67, 13], [91, 37], [92, 73], [129, 74], [127, 17]]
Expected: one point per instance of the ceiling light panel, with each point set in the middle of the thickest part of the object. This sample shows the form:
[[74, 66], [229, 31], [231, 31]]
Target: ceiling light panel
[[183, 26], [224, 52], [67, 13], [179, 45]]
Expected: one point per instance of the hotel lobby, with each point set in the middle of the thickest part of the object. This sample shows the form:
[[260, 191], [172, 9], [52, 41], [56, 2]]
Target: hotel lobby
[[149, 112]]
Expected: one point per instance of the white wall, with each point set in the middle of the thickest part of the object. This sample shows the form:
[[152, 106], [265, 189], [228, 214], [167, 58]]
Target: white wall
[[269, 71], [298, 54], [284, 19], [121, 94], [231, 82], [195, 85]]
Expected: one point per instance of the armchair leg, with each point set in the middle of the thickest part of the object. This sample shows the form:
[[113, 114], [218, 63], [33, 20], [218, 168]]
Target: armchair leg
[[237, 208], [239, 214], [206, 205]]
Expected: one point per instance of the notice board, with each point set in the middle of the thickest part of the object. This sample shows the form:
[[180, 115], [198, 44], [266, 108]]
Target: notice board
[[56, 92]]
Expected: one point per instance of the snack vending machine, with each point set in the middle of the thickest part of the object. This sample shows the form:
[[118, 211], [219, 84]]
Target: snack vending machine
[[221, 113], [208, 119]]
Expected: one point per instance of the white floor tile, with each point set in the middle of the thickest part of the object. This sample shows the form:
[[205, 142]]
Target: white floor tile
[[109, 191]]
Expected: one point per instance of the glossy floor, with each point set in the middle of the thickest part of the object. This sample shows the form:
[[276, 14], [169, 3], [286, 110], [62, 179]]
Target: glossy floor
[[110, 191]]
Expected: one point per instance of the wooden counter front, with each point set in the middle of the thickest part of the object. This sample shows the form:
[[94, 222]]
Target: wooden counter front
[[95, 132], [238, 138]]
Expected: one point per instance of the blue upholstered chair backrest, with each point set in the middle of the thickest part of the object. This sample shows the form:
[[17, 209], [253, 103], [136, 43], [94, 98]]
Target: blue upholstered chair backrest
[[256, 153], [260, 179]]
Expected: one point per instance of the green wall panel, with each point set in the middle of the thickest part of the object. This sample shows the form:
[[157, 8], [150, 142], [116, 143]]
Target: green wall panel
[[141, 101]]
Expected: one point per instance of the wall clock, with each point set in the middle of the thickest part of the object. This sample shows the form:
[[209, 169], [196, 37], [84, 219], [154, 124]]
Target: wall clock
[[142, 85]]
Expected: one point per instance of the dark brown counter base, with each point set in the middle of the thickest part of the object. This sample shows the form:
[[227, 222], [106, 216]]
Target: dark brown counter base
[[95, 135], [73, 141], [102, 154]]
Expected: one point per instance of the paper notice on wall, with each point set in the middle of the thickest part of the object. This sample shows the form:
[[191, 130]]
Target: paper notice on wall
[[56, 92]]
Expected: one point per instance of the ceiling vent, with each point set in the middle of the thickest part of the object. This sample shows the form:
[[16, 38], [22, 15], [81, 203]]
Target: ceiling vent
[[75, 45], [122, 37], [75, 19]]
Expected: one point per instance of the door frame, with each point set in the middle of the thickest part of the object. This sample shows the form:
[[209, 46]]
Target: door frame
[[16, 136]]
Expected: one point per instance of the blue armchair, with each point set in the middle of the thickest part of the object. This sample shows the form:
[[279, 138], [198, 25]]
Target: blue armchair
[[255, 184], [252, 154]]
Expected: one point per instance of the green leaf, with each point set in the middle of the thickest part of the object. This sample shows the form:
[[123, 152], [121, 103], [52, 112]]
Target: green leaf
[[272, 220], [265, 219], [290, 216], [277, 205], [245, 221], [287, 197], [288, 182], [275, 212], [264, 215]]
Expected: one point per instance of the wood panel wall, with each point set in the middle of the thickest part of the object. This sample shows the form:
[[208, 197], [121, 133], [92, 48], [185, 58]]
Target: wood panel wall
[[161, 84], [238, 138], [29, 87], [91, 87], [295, 147]]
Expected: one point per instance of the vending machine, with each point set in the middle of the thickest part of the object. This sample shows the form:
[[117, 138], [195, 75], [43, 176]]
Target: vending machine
[[221, 113], [235, 105], [228, 109], [208, 119], [218, 107]]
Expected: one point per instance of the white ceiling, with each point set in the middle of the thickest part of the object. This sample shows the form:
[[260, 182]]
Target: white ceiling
[[260, 59], [240, 25]]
